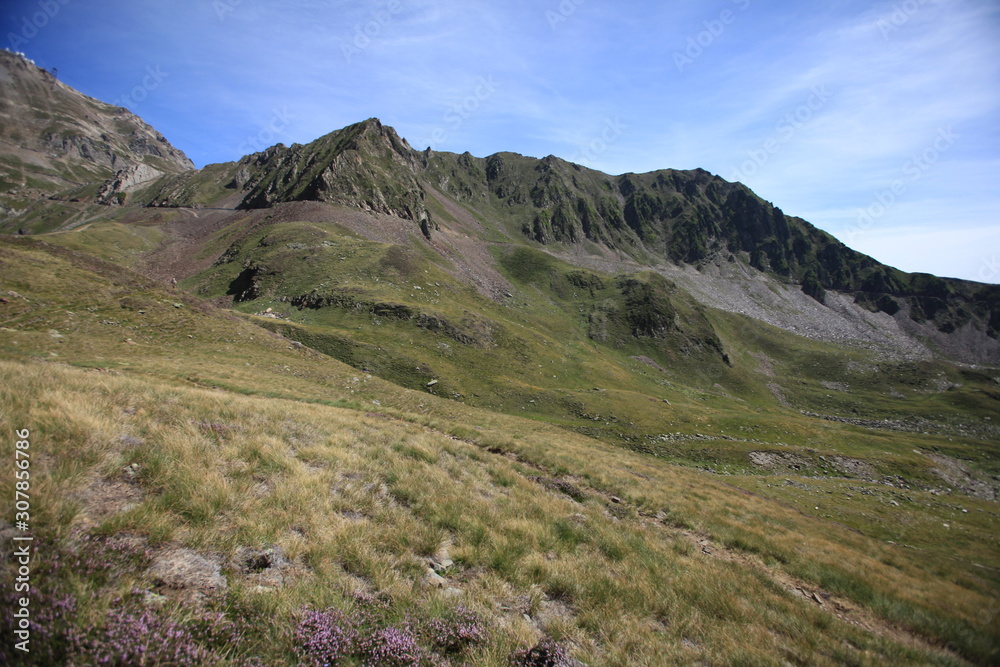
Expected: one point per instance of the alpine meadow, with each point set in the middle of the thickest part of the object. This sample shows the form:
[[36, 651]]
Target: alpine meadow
[[355, 403]]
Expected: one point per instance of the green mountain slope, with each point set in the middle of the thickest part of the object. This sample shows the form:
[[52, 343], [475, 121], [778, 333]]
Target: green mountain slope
[[61, 146], [204, 473], [696, 218], [657, 221], [493, 411]]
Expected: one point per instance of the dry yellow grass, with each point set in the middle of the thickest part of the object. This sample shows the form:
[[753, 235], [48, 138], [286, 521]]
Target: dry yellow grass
[[362, 501], [206, 439]]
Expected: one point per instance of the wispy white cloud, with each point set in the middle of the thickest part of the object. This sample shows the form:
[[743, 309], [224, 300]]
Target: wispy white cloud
[[892, 81], [971, 253]]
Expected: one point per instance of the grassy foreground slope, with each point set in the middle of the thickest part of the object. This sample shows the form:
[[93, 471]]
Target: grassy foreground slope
[[193, 472]]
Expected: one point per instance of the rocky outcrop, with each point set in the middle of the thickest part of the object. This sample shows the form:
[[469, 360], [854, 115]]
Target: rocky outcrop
[[692, 218], [114, 189], [61, 140], [365, 165]]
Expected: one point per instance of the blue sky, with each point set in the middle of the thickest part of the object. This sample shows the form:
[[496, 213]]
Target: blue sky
[[876, 121]]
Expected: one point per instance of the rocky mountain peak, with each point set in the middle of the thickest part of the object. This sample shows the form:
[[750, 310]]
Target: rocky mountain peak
[[669, 220], [57, 139], [366, 165]]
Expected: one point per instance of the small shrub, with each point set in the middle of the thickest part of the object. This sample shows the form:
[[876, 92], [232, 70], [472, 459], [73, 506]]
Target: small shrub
[[333, 637], [56, 634], [546, 653], [390, 647], [53, 630], [145, 638], [324, 637], [372, 601], [456, 631]]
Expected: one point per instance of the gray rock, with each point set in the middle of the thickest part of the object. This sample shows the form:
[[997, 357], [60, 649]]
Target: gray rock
[[183, 568], [434, 579]]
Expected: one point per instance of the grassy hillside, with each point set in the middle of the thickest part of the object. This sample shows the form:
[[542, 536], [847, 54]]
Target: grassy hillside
[[60, 145], [195, 472], [418, 408], [695, 217]]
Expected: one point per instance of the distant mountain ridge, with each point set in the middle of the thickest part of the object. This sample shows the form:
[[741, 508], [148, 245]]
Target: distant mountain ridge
[[679, 217], [58, 140], [694, 217], [667, 218]]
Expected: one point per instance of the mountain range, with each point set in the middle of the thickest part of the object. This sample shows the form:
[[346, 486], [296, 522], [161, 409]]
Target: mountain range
[[604, 339]]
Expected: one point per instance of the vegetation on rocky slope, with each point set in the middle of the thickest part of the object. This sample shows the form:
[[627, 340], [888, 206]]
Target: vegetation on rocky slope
[[417, 408], [60, 143], [208, 476]]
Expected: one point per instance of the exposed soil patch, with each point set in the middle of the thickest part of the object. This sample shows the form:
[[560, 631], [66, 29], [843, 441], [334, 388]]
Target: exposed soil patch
[[835, 386], [178, 254], [649, 362], [267, 568], [103, 498], [187, 574], [779, 396], [778, 461], [963, 478], [561, 486], [551, 612], [471, 257], [852, 467], [765, 366]]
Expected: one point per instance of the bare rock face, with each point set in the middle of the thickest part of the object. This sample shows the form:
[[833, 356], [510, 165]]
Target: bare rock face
[[60, 139], [778, 460], [179, 568], [365, 165], [960, 476], [114, 189]]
